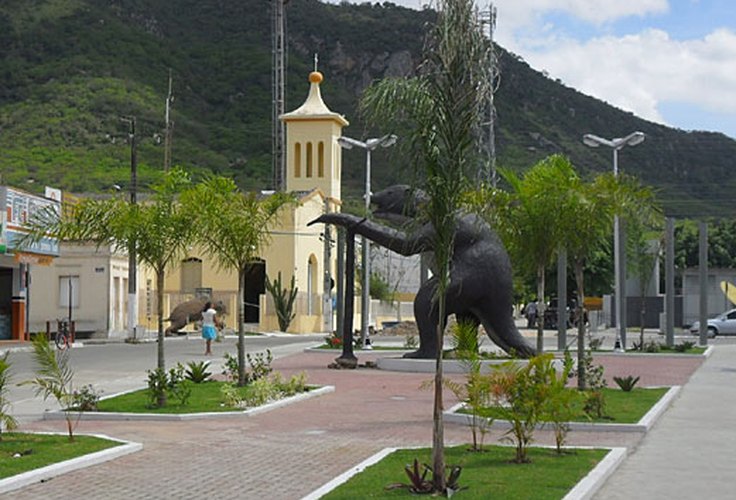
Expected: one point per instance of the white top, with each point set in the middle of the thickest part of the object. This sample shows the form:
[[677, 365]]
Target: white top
[[208, 317]]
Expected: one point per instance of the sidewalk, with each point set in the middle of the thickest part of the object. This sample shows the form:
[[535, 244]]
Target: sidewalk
[[691, 452], [288, 453]]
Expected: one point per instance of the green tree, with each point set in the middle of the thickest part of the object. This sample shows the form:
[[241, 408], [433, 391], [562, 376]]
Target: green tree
[[159, 228], [643, 245], [443, 107], [533, 222], [587, 214], [233, 227]]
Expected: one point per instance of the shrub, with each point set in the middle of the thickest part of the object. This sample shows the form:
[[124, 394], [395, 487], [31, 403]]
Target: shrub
[[6, 419], [162, 386], [230, 396], [86, 398], [626, 383], [464, 339], [559, 407], [231, 368], [411, 342], [54, 377], [197, 371], [685, 346], [260, 364], [595, 402], [522, 393]]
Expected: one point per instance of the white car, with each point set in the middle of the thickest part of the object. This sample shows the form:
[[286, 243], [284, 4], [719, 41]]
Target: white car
[[723, 324]]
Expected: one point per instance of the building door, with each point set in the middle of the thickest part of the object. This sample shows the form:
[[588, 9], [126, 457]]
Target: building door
[[6, 303], [255, 285]]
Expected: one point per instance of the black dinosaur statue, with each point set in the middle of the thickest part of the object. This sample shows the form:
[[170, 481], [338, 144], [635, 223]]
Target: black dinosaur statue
[[480, 289]]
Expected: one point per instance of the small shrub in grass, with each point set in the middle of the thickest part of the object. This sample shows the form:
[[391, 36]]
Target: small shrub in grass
[[197, 371], [260, 364], [627, 383], [521, 393], [230, 396], [559, 408], [7, 421], [684, 346], [230, 369], [162, 386], [86, 398], [420, 485], [411, 342]]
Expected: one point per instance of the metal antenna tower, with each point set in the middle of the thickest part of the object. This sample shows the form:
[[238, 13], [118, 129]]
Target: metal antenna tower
[[169, 128], [278, 80], [488, 171]]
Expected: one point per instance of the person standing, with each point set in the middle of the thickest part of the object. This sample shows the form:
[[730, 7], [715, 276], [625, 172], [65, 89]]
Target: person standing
[[209, 325], [531, 314]]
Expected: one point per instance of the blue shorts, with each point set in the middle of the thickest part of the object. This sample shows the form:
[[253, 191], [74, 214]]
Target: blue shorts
[[209, 332]]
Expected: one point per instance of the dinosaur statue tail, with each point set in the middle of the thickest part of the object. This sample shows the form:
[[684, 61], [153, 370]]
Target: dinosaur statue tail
[[506, 335]]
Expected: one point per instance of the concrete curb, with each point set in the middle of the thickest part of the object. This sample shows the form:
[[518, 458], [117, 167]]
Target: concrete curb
[[592, 482], [583, 490], [95, 415], [646, 422], [50, 471], [338, 352]]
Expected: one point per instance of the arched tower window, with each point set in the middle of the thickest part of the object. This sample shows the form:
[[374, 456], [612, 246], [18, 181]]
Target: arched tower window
[[309, 159], [298, 159], [321, 159]]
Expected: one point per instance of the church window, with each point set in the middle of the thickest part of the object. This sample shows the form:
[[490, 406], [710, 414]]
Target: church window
[[321, 159], [309, 159], [298, 159]]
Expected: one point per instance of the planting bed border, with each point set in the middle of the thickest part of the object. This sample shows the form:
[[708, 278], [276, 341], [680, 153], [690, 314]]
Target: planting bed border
[[643, 425], [583, 490], [53, 470], [108, 415]]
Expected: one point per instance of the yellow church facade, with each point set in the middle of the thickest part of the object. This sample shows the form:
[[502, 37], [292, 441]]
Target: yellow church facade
[[313, 173]]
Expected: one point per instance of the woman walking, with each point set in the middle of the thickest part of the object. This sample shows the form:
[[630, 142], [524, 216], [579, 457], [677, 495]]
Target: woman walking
[[209, 324]]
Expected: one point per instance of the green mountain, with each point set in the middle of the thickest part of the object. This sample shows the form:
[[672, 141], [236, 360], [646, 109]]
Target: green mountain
[[71, 68]]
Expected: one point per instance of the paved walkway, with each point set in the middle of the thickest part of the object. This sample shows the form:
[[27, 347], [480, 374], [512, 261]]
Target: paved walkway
[[286, 454], [691, 452]]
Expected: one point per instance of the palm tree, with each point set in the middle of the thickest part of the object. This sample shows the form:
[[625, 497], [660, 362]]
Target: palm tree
[[159, 229], [233, 228], [586, 218], [533, 212], [440, 111]]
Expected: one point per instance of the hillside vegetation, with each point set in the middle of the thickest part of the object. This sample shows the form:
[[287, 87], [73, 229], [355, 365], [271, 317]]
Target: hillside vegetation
[[72, 68]]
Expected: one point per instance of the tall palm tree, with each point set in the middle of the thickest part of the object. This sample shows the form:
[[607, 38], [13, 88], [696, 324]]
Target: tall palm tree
[[233, 228], [441, 112]]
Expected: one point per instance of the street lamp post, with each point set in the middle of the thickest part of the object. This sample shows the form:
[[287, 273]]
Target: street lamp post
[[618, 249], [132, 261], [369, 145]]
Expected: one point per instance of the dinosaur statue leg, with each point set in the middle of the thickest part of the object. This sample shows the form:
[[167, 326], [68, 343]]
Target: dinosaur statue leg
[[502, 330], [427, 317]]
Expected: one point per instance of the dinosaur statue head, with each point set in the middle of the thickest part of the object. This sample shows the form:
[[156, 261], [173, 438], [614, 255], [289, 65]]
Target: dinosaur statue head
[[398, 203]]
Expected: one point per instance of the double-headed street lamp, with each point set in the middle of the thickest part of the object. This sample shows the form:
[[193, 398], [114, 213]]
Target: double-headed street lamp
[[132, 260], [369, 145], [619, 257]]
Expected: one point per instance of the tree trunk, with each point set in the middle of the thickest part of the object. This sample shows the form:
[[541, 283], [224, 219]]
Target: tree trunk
[[160, 310], [642, 316], [241, 328], [438, 434], [581, 324], [540, 309]]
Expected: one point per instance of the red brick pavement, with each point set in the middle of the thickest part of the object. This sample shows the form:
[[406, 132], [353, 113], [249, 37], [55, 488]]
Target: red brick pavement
[[289, 452]]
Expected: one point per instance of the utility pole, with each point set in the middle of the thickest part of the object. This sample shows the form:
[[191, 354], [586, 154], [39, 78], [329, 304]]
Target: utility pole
[[489, 172], [132, 261], [169, 128], [278, 79]]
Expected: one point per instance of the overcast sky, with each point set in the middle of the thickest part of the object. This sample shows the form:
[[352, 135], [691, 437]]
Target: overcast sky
[[672, 62]]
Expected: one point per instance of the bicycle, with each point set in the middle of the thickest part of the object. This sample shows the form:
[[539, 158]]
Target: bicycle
[[62, 337]]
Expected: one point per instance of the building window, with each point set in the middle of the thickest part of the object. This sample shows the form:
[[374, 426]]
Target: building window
[[309, 159], [69, 291], [321, 159], [298, 159], [191, 275]]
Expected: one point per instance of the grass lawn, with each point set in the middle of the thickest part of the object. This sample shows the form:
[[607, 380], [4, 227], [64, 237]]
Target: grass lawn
[[487, 475], [206, 397], [621, 407], [40, 450]]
